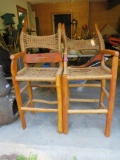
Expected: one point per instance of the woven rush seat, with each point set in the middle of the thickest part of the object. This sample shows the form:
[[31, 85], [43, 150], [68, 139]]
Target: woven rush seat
[[37, 74], [88, 73]]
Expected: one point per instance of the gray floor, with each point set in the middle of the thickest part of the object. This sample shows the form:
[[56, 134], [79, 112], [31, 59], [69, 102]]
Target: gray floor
[[85, 140]]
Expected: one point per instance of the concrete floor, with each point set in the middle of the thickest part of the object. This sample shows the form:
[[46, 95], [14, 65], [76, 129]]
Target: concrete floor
[[85, 140]]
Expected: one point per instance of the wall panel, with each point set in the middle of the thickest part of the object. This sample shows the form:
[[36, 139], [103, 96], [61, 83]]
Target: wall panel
[[9, 6], [85, 12], [99, 14], [44, 11]]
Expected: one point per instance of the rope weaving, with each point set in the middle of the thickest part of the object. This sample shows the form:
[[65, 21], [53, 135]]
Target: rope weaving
[[37, 74], [82, 44], [30, 41], [91, 72]]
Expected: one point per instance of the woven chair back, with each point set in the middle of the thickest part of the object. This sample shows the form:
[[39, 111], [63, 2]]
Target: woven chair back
[[31, 41], [82, 44]]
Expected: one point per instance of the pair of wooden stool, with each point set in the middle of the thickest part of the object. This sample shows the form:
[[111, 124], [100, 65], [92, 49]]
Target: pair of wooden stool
[[60, 77]]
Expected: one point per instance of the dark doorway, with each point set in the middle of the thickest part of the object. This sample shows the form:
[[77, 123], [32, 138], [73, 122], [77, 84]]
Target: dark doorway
[[63, 18], [20, 11]]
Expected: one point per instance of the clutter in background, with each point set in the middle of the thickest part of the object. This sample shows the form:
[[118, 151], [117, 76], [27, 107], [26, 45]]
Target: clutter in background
[[111, 37]]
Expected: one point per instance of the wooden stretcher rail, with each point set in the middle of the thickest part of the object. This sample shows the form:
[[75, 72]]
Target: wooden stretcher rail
[[38, 109], [83, 100], [89, 111]]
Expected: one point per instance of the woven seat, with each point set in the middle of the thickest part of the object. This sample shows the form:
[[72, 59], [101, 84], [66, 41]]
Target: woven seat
[[37, 74], [88, 73], [30, 73], [84, 72]]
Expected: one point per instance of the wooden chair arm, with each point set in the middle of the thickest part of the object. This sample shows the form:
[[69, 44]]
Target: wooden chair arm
[[114, 62], [14, 63], [17, 55], [97, 57], [111, 52]]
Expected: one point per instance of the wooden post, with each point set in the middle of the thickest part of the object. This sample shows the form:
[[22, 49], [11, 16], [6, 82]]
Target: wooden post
[[65, 99], [59, 97], [111, 96]]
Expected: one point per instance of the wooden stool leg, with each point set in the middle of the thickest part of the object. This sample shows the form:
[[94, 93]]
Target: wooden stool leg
[[65, 99], [19, 103], [112, 90], [30, 95], [110, 108], [103, 84], [59, 97]]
